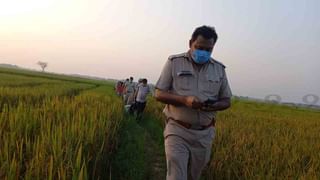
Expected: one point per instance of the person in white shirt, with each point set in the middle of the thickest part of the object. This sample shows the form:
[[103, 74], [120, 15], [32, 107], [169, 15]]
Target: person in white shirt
[[141, 98]]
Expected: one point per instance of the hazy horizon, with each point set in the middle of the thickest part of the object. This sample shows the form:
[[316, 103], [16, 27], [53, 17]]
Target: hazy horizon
[[268, 47]]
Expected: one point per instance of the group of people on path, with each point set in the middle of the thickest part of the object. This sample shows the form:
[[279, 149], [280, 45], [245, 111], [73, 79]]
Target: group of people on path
[[134, 95]]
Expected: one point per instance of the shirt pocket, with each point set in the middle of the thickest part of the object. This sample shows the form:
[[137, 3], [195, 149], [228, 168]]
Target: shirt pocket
[[184, 80], [211, 86]]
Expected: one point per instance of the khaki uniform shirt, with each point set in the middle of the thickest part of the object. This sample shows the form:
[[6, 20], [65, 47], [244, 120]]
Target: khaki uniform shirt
[[182, 77]]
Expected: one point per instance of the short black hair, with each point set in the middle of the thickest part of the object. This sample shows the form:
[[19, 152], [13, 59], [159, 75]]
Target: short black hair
[[145, 81], [131, 78], [207, 32]]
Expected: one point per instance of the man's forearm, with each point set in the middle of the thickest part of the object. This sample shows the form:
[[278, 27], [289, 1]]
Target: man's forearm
[[169, 98], [221, 105], [135, 95]]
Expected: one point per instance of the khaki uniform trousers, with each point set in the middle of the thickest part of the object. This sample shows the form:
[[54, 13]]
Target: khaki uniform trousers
[[187, 151], [128, 98]]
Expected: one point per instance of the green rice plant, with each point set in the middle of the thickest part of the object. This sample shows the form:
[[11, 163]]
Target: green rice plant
[[58, 131], [13, 80], [266, 141], [261, 141], [12, 96]]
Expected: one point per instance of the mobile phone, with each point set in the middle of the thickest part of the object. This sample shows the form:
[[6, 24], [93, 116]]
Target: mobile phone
[[209, 102]]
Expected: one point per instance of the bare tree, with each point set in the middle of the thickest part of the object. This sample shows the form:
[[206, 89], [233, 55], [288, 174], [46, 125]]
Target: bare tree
[[43, 65]]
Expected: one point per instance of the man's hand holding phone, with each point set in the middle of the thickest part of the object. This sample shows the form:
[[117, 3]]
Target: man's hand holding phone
[[209, 105]]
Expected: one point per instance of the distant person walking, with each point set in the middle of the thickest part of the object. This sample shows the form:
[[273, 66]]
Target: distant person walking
[[124, 90], [193, 86], [139, 82], [141, 98], [129, 92], [120, 88]]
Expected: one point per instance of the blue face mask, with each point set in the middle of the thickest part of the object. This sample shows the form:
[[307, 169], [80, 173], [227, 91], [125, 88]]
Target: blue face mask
[[201, 56]]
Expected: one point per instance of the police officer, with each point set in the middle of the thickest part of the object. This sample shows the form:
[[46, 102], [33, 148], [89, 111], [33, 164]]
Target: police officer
[[130, 88], [193, 86]]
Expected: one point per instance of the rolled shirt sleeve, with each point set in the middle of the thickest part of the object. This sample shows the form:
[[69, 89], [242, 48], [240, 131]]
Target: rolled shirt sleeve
[[165, 80], [225, 90]]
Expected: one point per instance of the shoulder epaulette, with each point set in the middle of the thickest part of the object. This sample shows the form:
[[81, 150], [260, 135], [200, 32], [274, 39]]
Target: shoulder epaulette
[[172, 57], [217, 62]]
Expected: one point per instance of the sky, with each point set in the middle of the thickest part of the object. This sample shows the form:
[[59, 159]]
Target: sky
[[269, 47]]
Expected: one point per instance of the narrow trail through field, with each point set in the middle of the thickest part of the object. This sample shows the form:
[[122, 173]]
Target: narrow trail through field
[[140, 153], [154, 156]]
